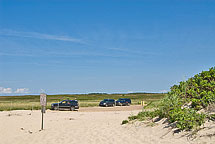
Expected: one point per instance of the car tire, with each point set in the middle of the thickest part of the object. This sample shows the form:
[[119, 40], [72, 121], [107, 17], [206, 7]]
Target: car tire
[[72, 108], [56, 108]]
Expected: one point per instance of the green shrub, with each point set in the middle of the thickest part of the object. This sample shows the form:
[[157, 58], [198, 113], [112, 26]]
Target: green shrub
[[181, 104], [132, 118], [124, 122], [211, 117]]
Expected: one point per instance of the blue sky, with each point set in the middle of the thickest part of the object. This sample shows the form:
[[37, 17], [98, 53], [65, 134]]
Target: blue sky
[[77, 46]]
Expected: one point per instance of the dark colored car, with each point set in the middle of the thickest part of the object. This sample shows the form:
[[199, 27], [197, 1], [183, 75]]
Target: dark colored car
[[107, 102], [123, 101], [65, 104]]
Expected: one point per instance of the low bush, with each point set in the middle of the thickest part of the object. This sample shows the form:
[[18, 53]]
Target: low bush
[[182, 103], [124, 122]]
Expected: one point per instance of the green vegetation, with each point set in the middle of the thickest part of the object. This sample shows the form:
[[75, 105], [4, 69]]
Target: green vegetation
[[85, 100], [183, 103], [124, 121]]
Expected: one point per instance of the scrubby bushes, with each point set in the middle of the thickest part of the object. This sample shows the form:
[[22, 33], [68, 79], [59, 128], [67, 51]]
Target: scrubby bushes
[[200, 89], [183, 103]]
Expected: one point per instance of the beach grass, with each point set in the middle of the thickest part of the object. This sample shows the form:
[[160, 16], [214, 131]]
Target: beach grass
[[32, 102]]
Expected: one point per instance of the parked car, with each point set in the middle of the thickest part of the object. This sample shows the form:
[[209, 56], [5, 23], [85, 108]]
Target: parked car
[[123, 101], [65, 104], [107, 102]]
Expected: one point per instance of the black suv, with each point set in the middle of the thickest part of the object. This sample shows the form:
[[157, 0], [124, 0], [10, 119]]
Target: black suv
[[65, 104], [107, 102], [123, 101]]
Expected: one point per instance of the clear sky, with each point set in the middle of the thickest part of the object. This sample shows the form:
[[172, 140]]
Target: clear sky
[[84, 46]]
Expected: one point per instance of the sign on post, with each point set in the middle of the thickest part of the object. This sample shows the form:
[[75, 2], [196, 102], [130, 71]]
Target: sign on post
[[43, 99], [43, 105]]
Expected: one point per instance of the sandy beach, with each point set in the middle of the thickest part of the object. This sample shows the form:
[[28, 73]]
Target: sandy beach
[[86, 126]]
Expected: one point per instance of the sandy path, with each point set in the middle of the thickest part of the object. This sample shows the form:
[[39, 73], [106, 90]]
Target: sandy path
[[116, 108], [87, 126]]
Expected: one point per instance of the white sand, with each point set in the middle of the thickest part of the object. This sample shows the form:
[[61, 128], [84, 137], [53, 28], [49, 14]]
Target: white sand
[[87, 126]]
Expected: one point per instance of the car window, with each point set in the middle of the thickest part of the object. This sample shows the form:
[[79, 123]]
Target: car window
[[74, 102], [63, 102]]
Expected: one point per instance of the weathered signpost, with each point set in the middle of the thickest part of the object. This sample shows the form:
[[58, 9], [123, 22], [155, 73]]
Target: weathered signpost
[[43, 105]]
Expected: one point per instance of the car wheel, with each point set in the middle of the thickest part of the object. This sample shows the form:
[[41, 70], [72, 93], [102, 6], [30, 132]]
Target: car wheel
[[106, 105], [56, 108], [113, 105], [72, 108]]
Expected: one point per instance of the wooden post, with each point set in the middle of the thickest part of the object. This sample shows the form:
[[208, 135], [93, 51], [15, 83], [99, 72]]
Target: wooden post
[[42, 117], [43, 106]]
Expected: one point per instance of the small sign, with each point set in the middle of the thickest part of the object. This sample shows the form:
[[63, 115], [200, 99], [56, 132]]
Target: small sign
[[43, 99]]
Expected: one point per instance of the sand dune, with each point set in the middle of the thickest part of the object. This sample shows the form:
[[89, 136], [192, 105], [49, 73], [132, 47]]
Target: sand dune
[[87, 126]]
